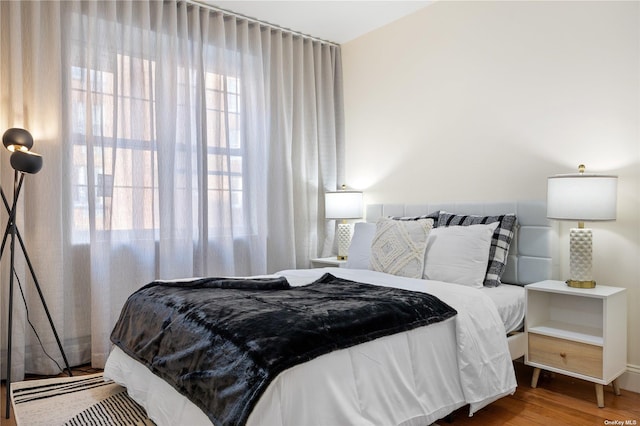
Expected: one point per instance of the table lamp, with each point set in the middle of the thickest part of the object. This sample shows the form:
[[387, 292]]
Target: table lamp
[[343, 205], [581, 197]]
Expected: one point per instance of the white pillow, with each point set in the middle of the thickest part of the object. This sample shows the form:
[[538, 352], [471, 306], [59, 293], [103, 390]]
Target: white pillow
[[360, 248], [459, 254], [398, 246]]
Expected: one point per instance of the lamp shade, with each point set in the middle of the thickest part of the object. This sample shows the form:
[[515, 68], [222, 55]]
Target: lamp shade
[[15, 139], [582, 197], [343, 205], [26, 161]]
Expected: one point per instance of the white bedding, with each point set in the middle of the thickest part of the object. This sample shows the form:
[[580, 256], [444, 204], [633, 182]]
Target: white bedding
[[410, 378], [509, 300]]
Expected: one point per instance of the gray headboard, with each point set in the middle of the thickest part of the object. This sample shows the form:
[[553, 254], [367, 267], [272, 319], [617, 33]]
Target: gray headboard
[[533, 252]]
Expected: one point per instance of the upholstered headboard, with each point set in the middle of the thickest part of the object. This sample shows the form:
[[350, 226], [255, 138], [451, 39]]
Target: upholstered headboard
[[533, 252]]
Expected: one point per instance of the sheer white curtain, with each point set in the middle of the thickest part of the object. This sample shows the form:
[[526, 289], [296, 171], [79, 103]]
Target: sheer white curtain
[[178, 142], [30, 94]]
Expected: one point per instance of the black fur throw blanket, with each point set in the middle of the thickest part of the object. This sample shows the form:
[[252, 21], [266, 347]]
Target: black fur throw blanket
[[221, 341]]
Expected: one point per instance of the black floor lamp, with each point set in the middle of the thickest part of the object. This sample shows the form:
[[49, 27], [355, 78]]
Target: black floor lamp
[[19, 142]]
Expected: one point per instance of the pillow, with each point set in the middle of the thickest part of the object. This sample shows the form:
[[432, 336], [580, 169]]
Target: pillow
[[459, 254], [360, 248], [500, 241], [433, 215], [398, 246]]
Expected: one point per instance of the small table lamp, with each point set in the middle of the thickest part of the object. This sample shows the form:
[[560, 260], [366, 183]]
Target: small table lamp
[[581, 197], [343, 205]]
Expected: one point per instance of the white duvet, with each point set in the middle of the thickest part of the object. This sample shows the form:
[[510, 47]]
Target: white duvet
[[410, 378]]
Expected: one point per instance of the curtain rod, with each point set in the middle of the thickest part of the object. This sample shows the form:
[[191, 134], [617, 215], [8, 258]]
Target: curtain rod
[[257, 21]]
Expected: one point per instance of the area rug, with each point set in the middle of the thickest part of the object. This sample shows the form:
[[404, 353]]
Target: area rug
[[82, 400]]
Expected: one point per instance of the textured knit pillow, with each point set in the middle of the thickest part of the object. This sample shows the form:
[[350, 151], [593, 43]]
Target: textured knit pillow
[[500, 241], [398, 246]]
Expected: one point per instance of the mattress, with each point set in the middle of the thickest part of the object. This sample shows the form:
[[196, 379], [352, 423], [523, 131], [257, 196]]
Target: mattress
[[509, 300], [410, 378]]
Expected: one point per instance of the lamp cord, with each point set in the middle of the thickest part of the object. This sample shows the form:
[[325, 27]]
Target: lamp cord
[[31, 324]]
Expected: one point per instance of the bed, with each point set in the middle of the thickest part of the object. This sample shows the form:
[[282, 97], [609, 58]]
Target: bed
[[412, 377]]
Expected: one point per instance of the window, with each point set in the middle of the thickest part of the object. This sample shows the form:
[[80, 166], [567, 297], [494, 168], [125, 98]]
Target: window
[[224, 153], [115, 157]]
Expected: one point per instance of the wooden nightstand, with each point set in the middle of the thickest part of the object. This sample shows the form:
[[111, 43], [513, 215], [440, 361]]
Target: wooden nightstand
[[323, 262], [577, 332]]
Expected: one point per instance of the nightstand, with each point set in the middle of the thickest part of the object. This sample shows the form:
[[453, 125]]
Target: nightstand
[[323, 262], [578, 332]]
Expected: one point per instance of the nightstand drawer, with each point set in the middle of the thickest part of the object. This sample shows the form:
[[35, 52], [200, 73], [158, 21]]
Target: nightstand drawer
[[577, 357]]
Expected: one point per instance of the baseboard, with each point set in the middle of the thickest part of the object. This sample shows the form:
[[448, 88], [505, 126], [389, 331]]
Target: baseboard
[[630, 379], [77, 350]]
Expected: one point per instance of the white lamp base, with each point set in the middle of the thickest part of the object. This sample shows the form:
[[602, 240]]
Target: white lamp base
[[580, 260], [344, 240]]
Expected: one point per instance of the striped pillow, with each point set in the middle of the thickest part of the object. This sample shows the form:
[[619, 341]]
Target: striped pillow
[[433, 216], [500, 241]]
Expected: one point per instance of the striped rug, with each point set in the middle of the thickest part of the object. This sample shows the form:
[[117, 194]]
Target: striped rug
[[83, 400]]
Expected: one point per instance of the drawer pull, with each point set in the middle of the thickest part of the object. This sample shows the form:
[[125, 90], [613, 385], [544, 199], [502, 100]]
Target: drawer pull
[[563, 354]]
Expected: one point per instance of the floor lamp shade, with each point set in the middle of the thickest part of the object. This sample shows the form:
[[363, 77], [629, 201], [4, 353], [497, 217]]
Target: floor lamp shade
[[343, 205], [26, 161], [582, 198], [15, 139], [19, 142]]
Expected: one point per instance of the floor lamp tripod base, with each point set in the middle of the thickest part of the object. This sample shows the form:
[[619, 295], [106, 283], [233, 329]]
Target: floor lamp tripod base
[[13, 232]]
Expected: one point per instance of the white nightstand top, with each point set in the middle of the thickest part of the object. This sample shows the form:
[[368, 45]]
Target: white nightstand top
[[328, 261], [562, 288]]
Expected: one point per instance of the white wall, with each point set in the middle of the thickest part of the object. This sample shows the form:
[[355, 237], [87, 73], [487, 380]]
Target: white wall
[[466, 101]]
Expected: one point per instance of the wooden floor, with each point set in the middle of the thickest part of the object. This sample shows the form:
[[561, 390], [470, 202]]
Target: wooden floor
[[558, 400]]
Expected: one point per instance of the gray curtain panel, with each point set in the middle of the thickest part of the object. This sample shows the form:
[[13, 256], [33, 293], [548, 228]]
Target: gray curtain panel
[[177, 141]]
